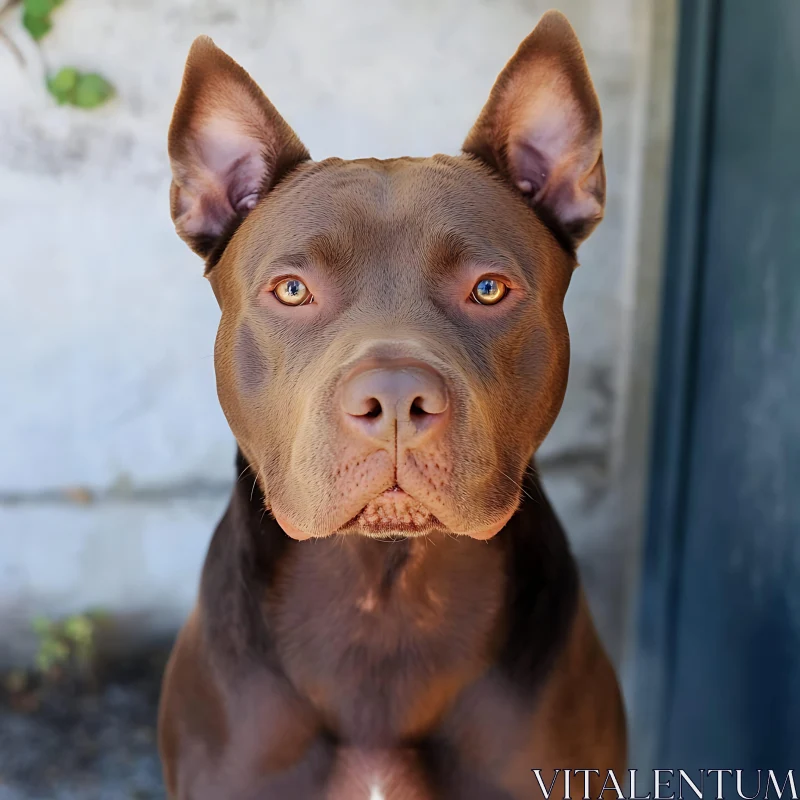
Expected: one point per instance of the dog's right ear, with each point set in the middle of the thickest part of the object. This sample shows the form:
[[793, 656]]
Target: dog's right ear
[[227, 147], [541, 129]]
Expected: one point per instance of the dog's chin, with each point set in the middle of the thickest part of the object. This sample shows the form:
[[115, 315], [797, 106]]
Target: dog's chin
[[394, 514]]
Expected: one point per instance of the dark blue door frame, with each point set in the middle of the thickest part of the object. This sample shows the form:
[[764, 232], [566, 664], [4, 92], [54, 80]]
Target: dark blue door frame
[[671, 429], [719, 630]]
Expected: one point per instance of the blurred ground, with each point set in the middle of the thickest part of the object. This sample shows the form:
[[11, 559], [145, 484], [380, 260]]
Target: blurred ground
[[66, 743]]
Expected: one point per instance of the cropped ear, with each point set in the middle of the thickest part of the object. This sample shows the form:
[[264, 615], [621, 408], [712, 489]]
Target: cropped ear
[[227, 147], [541, 129]]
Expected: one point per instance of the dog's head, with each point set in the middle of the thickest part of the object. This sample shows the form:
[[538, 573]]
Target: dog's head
[[392, 347]]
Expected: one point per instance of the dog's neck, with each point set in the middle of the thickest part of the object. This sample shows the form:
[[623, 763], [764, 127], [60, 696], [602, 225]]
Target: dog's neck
[[524, 578]]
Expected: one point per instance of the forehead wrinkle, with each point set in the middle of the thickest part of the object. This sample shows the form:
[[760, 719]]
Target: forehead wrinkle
[[447, 195], [446, 251], [330, 249], [351, 187]]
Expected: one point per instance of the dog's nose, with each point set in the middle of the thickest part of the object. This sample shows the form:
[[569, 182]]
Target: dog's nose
[[406, 400]]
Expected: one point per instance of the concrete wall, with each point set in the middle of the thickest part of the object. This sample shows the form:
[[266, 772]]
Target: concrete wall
[[114, 459]]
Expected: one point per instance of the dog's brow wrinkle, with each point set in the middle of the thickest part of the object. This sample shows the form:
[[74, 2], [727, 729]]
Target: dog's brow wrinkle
[[329, 249]]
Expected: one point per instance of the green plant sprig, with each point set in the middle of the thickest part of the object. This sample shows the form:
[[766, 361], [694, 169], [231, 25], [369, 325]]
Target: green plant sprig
[[67, 643], [68, 86]]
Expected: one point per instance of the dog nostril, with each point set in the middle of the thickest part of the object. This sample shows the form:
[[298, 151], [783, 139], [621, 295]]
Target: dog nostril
[[416, 409], [373, 408]]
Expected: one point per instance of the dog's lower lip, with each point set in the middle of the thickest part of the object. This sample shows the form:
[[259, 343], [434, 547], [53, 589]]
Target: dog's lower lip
[[393, 511]]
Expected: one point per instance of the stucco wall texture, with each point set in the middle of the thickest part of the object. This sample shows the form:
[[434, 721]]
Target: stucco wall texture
[[115, 460]]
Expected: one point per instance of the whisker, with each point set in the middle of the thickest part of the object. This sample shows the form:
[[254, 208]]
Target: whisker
[[253, 489], [247, 467], [519, 486]]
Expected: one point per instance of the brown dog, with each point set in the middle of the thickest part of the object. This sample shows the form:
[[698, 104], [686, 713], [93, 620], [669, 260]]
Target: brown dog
[[389, 608]]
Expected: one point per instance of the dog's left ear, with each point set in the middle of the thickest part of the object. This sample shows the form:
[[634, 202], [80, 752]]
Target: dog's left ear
[[541, 129], [227, 146]]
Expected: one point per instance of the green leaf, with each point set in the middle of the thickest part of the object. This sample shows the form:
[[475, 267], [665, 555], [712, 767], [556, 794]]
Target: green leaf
[[92, 90], [41, 626], [87, 90], [79, 629], [62, 85], [37, 27], [52, 653], [43, 661], [39, 8]]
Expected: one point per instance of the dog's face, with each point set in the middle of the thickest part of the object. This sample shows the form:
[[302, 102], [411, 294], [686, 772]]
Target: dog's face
[[392, 347]]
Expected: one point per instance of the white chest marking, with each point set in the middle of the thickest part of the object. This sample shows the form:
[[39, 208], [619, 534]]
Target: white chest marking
[[375, 792]]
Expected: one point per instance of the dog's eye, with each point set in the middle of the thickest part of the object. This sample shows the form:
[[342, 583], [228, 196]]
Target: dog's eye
[[293, 292], [488, 291]]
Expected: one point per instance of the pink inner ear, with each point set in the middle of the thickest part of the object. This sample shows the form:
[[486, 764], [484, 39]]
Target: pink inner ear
[[552, 154], [227, 172], [529, 167], [545, 135]]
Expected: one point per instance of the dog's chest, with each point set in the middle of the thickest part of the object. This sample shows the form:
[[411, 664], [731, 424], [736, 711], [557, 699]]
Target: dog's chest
[[377, 775], [381, 637], [279, 750]]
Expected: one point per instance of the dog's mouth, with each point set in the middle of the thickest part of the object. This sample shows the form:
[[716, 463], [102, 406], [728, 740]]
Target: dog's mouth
[[393, 513]]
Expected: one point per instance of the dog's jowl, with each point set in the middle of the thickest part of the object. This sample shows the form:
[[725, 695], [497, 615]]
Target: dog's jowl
[[389, 608]]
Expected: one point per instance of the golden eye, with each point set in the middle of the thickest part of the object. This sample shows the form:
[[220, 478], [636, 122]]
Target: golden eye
[[293, 292], [488, 291]]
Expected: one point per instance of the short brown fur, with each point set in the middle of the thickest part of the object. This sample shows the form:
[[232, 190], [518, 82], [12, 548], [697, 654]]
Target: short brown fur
[[421, 631]]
